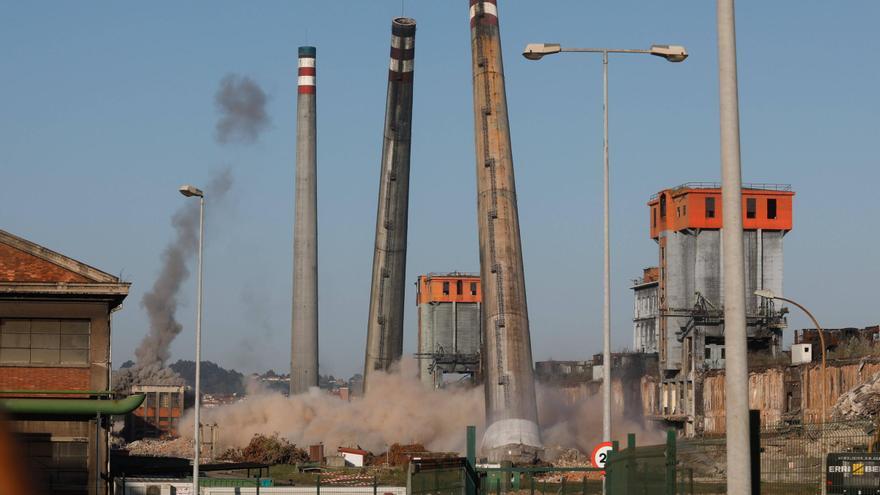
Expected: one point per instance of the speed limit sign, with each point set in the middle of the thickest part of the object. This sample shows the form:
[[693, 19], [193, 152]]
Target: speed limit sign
[[600, 454]]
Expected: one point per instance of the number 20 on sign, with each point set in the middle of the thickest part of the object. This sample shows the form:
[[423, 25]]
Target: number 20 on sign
[[600, 454]]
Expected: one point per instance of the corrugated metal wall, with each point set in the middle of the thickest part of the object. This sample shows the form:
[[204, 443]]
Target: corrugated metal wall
[[468, 328]]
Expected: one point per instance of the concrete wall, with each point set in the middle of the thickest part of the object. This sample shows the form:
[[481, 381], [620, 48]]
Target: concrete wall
[[693, 264], [707, 269], [773, 261]]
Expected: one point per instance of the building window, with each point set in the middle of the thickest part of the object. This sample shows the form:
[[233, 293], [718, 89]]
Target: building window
[[458, 288], [684, 211], [445, 288], [473, 288], [771, 208], [662, 206], [708, 353], [654, 211], [723, 354], [751, 206], [44, 342], [710, 207]]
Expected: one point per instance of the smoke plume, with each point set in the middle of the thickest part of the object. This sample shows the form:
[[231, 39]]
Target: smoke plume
[[162, 300], [242, 106]]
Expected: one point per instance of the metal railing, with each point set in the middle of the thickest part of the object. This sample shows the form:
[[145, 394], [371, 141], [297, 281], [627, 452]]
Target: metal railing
[[761, 186]]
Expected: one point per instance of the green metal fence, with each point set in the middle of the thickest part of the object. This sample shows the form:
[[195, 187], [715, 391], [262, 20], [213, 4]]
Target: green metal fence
[[438, 477], [540, 481], [792, 462], [643, 470], [792, 456]]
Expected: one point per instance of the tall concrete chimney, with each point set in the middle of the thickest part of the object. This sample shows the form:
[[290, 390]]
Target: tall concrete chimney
[[304, 321], [511, 410], [385, 326]]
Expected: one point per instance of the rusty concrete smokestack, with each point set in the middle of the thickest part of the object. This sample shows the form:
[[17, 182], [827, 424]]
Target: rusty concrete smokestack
[[511, 410], [385, 326], [304, 321]]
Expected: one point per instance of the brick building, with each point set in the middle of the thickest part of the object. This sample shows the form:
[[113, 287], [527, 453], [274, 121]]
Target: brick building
[[55, 317]]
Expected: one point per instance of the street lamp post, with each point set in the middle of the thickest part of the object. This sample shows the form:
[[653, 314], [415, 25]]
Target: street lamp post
[[190, 191], [672, 53], [767, 294]]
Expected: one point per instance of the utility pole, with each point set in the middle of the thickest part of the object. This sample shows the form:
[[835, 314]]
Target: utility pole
[[739, 476]]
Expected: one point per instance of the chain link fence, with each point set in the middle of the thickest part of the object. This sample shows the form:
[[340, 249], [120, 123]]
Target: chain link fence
[[793, 457]]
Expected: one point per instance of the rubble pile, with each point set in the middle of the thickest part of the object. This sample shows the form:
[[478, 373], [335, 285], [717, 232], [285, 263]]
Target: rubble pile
[[268, 450], [862, 402], [178, 447], [400, 455], [564, 457]]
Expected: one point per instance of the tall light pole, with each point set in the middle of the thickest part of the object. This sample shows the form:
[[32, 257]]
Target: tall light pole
[[190, 191], [672, 53], [767, 294], [736, 374]]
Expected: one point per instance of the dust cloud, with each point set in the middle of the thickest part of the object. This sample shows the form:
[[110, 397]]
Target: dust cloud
[[398, 410], [574, 421], [402, 410]]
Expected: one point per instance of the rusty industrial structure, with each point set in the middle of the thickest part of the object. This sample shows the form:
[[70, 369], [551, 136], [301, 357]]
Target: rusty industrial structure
[[304, 318], [387, 290], [450, 326], [511, 409], [678, 305], [835, 337], [55, 321], [159, 415]]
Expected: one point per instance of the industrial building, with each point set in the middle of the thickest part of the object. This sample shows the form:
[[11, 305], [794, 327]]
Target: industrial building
[[159, 415], [55, 320], [646, 311], [685, 222], [450, 326]]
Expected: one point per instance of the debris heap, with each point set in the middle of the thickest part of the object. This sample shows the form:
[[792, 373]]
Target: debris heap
[[862, 402]]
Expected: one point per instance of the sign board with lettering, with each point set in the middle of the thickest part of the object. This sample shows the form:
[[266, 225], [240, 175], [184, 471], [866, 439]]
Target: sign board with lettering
[[853, 473]]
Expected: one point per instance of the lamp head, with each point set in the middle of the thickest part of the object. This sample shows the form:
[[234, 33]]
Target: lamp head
[[535, 51], [190, 191], [766, 294], [672, 53]]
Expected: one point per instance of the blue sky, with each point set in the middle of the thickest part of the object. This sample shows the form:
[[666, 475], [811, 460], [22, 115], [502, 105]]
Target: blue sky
[[106, 107]]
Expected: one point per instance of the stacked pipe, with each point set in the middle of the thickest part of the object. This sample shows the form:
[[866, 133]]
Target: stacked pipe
[[511, 410], [385, 325], [304, 320]]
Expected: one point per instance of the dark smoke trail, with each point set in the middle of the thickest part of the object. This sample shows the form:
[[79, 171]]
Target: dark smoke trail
[[242, 106], [161, 301]]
